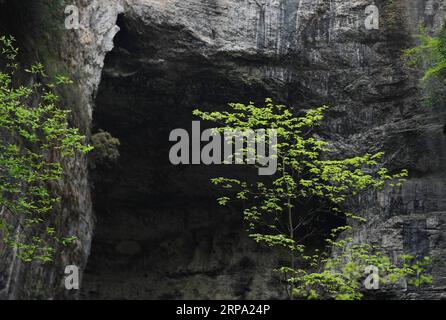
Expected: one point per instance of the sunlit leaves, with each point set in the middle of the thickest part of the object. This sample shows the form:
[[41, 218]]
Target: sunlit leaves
[[307, 171], [430, 51], [35, 139], [340, 275]]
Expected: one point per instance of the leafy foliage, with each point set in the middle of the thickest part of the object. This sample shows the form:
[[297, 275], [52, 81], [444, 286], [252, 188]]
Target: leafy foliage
[[339, 271], [276, 210], [430, 53], [35, 139], [430, 57]]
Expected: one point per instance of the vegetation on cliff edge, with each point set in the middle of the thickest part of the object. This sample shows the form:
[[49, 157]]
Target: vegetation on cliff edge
[[35, 141]]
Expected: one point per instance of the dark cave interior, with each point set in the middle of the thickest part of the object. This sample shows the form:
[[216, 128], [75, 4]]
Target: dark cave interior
[[159, 231]]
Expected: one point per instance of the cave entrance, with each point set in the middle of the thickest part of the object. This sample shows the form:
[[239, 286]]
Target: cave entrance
[[159, 232]]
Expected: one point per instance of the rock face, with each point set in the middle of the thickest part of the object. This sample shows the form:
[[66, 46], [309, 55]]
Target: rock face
[[41, 35], [158, 232]]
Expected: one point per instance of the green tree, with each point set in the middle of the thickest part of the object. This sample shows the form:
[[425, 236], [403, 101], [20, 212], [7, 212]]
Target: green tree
[[282, 211], [430, 58], [35, 140], [429, 55]]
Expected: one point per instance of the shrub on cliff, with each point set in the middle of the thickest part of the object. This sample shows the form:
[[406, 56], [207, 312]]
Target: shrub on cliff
[[106, 150], [430, 54], [429, 57]]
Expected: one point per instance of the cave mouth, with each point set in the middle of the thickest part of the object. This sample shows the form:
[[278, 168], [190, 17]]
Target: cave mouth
[[159, 232]]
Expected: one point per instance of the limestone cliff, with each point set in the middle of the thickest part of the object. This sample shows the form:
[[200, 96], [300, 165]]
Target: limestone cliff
[[41, 36]]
